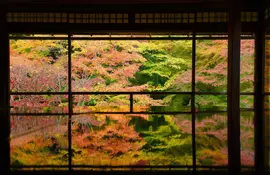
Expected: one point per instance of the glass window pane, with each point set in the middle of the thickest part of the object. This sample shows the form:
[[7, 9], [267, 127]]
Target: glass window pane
[[38, 66], [38, 140], [211, 102], [211, 139], [211, 65], [39, 103], [144, 140], [162, 103], [246, 101], [101, 103], [131, 65], [247, 65], [247, 138]]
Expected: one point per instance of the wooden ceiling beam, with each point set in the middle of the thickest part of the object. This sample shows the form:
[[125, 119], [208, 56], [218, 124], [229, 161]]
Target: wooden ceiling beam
[[144, 7]]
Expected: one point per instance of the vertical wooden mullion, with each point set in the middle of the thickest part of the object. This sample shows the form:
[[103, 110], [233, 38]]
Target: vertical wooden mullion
[[234, 31], [193, 102], [259, 97], [266, 108], [70, 107]]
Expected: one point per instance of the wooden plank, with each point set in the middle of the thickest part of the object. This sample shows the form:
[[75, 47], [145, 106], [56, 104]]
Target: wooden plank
[[124, 28]]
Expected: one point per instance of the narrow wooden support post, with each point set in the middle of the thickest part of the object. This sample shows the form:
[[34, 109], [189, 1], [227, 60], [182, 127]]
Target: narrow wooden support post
[[70, 103], [4, 92], [193, 102], [259, 97], [234, 88]]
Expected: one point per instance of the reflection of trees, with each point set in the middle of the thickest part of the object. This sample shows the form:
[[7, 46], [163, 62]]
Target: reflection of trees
[[25, 125], [132, 66]]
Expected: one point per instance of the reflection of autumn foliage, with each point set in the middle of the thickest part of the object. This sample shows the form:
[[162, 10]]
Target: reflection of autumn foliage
[[105, 144], [113, 103], [32, 144], [211, 134], [51, 146], [213, 130], [113, 66], [39, 104], [110, 140], [20, 124]]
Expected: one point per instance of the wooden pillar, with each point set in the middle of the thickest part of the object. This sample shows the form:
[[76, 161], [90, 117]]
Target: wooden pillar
[[4, 88], [259, 91], [234, 32]]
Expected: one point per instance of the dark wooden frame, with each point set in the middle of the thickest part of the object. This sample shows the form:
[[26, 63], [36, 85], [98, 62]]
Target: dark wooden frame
[[259, 91], [4, 95], [234, 32]]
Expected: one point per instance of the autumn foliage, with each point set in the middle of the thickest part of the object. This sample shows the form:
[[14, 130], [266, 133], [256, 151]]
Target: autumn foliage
[[125, 66]]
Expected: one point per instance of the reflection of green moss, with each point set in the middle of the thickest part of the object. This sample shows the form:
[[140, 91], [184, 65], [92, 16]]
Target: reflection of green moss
[[112, 136], [47, 109], [64, 100], [45, 150], [206, 162], [91, 102], [44, 53], [98, 54], [118, 48], [164, 140], [107, 49], [105, 65], [109, 121], [16, 163], [109, 81], [27, 50], [28, 150], [140, 124]]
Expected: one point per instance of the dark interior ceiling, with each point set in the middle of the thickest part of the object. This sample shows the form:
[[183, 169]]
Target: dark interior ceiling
[[246, 4], [128, 5], [113, 1]]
